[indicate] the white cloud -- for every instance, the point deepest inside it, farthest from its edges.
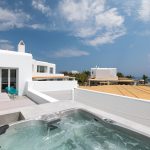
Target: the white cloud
(70, 53)
(12, 19)
(109, 19)
(144, 11)
(129, 6)
(137, 9)
(38, 26)
(108, 37)
(81, 10)
(93, 21)
(42, 26)
(6, 45)
(41, 6)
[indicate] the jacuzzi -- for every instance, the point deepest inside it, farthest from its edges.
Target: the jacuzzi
(74, 129)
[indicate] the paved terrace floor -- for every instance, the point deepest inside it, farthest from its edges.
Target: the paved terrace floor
(142, 92)
(18, 102)
(60, 95)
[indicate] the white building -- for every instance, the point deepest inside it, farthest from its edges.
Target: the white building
(40, 68)
(18, 67)
(74, 72)
(104, 73)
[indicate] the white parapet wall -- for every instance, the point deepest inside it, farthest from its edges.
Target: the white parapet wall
(35, 89)
(133, 109)
(39, 97)
(45, 86)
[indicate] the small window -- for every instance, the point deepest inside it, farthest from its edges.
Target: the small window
(51, 70)
(41, 69)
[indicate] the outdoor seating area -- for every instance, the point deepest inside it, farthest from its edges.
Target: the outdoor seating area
(4, 97)
(12, 92)
(19, 102)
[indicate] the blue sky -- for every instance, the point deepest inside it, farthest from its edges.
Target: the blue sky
(80, 34)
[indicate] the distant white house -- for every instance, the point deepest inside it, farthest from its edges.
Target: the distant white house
(107, 76)
(104, 73)
(74, 72)
(18, 67)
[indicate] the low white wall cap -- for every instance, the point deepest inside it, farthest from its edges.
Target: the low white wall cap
(44, 96)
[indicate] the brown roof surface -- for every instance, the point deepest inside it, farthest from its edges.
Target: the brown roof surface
(142, 92)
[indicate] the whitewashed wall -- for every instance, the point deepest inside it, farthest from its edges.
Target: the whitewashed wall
(104, 73)
(35, 63)
(20, 61)
(35, 89)
(44, 86)
(129, 108)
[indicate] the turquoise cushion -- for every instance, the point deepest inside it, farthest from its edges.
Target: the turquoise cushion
(11, 90)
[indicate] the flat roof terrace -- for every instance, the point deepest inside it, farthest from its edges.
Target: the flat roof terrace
(142, 92)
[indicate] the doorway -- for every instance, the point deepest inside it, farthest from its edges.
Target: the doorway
(8, 78)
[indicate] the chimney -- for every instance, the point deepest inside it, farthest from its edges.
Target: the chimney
(21, 47)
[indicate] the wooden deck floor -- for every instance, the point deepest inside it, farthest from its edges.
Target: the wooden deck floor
(142, 92)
